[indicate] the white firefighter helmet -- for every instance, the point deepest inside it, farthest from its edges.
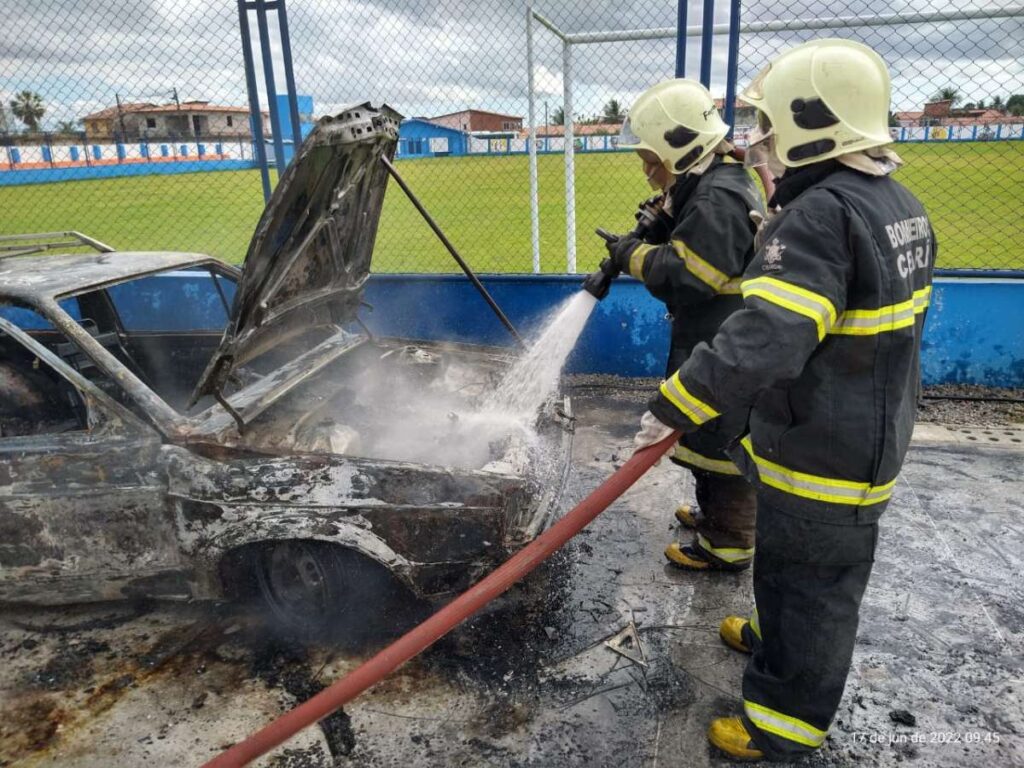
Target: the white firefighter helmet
(677, 121)
(820, 100)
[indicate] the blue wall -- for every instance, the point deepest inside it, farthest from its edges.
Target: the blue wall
(51, 175)
(974, 333)
(414, 139)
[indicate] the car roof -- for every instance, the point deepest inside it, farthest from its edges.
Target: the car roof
(36, 278)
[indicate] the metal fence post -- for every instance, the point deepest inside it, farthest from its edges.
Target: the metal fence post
(707, 35)
(255, 116)
(733, 64)
(532, 144)
(570, 151)
(268, 76)
(681, 10)
(289, 75)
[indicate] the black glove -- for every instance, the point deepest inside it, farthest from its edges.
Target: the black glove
(653, 225)
(598, 283)
(621, 249)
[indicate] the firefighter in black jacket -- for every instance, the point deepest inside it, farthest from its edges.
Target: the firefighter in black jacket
(697, 241)
(826, 352)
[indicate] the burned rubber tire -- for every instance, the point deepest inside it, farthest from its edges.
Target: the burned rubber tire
(313, 591)
(306, 587)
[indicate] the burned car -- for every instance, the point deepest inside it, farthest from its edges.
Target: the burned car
(173, 427)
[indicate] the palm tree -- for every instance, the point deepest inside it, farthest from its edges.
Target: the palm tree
(558, 117)
(949, 93)
(67, 126)
(613, 112)
(28, 107)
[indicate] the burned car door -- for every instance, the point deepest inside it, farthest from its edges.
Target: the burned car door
(83, 508)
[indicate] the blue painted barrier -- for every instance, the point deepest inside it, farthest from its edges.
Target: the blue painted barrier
(974, 332)
(50, 175)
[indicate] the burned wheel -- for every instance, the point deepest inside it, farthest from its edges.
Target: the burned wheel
(306, 585)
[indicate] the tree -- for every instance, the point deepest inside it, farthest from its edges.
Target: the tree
(997, 104)
(558, 117)
(1015, 104)
(67, 126)
(613, 112)
(949, 93)
(28, 107)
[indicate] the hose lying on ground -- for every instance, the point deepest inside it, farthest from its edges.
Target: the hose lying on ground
(421, 637)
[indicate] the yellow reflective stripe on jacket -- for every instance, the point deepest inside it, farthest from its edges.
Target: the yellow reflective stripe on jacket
(727, 554)
(784, 725)
(817, 487)
(794, 298)
(867, 322)
(704, 271)
(721, 466)
(636, 260)
(696, 410)
(755, 624)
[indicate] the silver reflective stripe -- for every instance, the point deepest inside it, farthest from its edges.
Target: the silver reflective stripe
(814, 486)
(721, 466)
(783, 725)
(794, 298)
(727, 554)
(864, 322)
(696, 410)
(705, 271)
(755, 624)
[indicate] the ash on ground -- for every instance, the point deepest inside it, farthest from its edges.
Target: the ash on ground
(941, 645)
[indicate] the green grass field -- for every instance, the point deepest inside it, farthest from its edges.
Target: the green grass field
(973, 192)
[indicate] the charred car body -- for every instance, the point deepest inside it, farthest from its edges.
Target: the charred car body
(174, 427)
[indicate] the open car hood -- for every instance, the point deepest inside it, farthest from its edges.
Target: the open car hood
(310, 254)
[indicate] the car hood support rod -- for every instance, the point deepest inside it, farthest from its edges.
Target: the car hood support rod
(451, 249)
(421, 637)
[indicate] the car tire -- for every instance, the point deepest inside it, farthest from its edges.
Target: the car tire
(313, 590)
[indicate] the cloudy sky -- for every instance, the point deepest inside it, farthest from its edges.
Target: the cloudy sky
(429, 57)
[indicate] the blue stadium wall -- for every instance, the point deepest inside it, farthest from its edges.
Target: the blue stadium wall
(974, 332)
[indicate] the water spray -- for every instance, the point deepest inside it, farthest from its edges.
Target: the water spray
(418, 639)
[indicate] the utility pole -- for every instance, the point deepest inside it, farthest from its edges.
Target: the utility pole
(120, 116)
(177, 101)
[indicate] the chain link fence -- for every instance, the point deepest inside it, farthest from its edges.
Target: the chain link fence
(130, 121)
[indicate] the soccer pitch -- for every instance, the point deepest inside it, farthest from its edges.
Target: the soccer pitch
(973, 192)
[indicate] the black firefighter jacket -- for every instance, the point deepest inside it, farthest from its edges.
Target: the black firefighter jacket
(826, 348)
(697, 274)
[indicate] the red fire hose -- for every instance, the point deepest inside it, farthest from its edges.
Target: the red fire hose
(418, 639)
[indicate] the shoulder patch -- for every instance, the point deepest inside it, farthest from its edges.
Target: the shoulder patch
(772, 261)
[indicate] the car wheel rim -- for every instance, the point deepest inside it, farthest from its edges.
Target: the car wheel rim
(295, 582)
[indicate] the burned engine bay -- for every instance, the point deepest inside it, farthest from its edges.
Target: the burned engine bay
(424, 403)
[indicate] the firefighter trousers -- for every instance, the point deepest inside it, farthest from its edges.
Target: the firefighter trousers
(725, 528)
(809, 578)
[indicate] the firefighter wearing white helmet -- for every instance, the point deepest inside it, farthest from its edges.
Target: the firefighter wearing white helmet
(692, 244)
(825, 352)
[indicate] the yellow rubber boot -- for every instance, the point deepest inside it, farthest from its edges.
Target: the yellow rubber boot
(687, 515)
(730, 735)
(731, 632)
(683, 556)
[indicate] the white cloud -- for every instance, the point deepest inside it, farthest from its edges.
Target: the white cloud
(434, 56)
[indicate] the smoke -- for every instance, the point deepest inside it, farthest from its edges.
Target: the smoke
(442, 409)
